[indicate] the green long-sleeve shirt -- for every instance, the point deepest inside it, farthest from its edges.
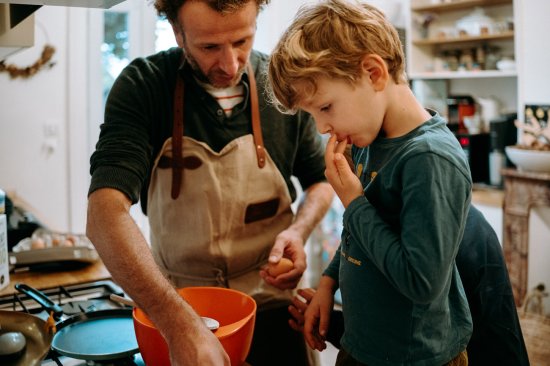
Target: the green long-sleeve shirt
(402, 297)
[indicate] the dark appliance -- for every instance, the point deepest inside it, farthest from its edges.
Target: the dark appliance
(476, 148)
(74, 299)
(21, 223)
(458, 107)
(503, 133)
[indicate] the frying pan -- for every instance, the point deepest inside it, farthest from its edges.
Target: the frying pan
(95, 335)
(34, 330)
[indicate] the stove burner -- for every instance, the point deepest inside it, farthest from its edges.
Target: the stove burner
(77, 307)
(73, 298)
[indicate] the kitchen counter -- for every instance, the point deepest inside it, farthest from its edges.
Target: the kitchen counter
(94, 272)
(487, 196)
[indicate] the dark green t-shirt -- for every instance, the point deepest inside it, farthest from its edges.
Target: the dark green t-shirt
(138, 120)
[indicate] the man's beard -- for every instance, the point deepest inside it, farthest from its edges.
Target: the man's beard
(203, 78)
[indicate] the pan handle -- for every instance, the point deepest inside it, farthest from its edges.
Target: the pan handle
(40, 298)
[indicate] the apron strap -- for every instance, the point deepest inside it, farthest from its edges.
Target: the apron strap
(256, 127)
(177, 135)
(177, 130)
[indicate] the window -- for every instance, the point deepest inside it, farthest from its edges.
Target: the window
(114, 49)
(164, 35)
(116, 36)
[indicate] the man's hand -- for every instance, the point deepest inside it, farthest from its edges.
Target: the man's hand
(205, 349)
(289, 244)
(339, 174)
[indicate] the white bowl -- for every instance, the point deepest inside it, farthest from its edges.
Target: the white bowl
(529, 160)
(506, 65)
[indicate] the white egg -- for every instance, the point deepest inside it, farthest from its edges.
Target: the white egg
(12, 343)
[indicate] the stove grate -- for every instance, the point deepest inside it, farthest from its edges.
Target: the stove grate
(97, 290)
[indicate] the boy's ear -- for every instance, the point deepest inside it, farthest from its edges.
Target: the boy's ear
(375, 68)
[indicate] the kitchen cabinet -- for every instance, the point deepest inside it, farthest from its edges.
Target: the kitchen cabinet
(462, 47)
(14, 36)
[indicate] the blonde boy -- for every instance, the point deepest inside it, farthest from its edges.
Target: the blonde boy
(406, 200)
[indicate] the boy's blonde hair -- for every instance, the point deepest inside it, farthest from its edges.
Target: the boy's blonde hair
(330, 39)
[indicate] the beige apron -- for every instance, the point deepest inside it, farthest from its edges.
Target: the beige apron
(214, 216)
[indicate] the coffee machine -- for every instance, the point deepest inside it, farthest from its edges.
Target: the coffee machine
(503, 132)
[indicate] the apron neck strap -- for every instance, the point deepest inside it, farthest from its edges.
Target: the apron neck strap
(177, 136)
(256, 126)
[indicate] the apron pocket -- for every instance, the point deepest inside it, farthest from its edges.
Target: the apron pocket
(262, 210)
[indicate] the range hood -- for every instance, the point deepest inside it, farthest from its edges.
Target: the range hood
(17, 20)
(16, 32)
(101, 4)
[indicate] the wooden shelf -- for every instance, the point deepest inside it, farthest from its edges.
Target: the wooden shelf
(458, 5)
(429, 68)
(443, 75)
(464, 39)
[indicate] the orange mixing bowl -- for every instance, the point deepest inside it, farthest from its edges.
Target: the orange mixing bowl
(235, 311)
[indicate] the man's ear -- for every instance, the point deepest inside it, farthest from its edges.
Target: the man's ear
(178, 34)
(375, 68)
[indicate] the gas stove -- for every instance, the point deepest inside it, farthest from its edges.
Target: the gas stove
(75, 299)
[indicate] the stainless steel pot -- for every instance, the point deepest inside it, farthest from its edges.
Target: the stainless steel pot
(34, 329)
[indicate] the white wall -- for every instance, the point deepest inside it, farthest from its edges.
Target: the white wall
(49, 122)
(31, 109)
(535, 55)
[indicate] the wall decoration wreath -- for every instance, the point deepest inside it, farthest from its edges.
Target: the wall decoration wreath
(25, 72)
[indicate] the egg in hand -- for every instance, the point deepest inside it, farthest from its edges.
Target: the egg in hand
(283, 266)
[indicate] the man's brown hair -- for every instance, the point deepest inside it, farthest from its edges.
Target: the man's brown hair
(169, 8)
